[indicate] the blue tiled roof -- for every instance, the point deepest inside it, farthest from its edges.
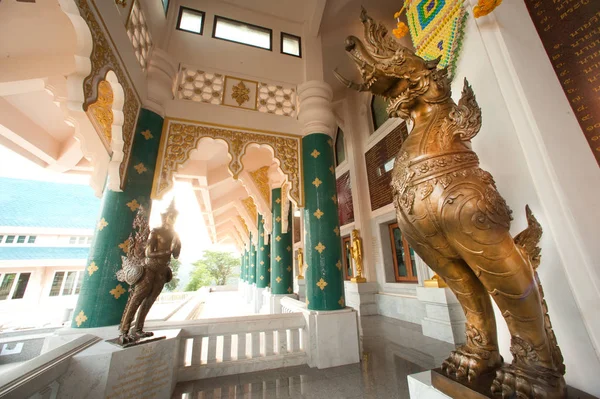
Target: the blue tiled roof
(25, 253)
(28, 203)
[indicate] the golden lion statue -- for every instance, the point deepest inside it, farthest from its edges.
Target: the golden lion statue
(451, 213)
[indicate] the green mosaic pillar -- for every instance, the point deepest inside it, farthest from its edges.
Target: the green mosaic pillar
(263, 268)
(247, 259)
(323, 249)
(282, 277)
(252, 261)
(243, 268)
(102, 298)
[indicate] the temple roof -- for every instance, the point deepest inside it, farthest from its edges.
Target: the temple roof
(45, 253)
(29, 203)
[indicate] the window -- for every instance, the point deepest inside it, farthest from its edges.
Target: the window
(89, 240)
(340, 150)
(347, 256)
(31, 240)
(378, 111)
(13, 285)
(165, 5)
(291, 45)
(73, 240)
(190, 20)
(66, 283)
(1, 238)
(389, 165)
(82, 240)
(10, 239)
(21, 239)
(243, 33)
(405, 267)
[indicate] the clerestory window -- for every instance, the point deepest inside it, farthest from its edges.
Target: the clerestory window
(242, 33)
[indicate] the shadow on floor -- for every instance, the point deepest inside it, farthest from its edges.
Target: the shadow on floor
(391, 350)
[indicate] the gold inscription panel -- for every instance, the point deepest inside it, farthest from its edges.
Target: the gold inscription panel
(570, 32)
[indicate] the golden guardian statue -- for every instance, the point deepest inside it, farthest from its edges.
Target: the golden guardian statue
(451, 213)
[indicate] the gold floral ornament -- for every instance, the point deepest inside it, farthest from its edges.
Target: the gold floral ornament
(240, 93)
(318, 214)
(278, 200)
(117, 291)
(278, 279)
(278, 219)
(278, 238)
(102, 223)
(147, 134)
(80, 319)
(317, 182)
(401, 28)
(320, 247)
(341, 301)
(101, 111)
(315, 154)
(289, 269)
(484, 7)
(125, 245)
(322, 284)
(337, 231)
(140, 168)
(339, 265)
(92, 268)
(289, 290)
(332, 170)
(133, 205)
(278, 258)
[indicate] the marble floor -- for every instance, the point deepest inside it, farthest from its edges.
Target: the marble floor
(391, 350)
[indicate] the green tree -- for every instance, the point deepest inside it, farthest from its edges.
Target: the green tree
(214, 266)
(172, 285)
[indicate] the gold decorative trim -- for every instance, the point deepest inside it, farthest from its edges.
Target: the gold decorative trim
(261, 180)
(105, 58)
(180, 137)
(251, 207)
(240, 92)
(244, 225)
(101, 114)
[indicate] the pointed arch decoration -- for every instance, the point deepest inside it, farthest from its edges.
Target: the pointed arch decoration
(181, 137)
(103, 59)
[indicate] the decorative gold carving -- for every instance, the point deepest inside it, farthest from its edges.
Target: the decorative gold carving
(318, 214)
(244, 225)
(240, 93)
(117, 291)
(80, 319)
(339, 265)
(278, 279)
(102, 223)
(183, 137)
(315, 154)
(300, 263)
(322, 284)
(278, 258)
(92, 268)
(320, 247)
(122, 3)
(250, 207)
(278, 219)
(101, 113)
(317, 182)
(104, 59)
(459, 224)
(261, 180)
(337, 231)
(278, 238)
(124, 246)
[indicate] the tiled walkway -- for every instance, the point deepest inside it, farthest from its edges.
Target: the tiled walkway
(392, 350)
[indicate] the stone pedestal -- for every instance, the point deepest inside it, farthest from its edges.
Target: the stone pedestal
(444, 318)
(106, 370)
(361, 297)
(300, 289)
(333, 338)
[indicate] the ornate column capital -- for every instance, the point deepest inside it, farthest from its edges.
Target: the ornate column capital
(161, 75)
(316, 111)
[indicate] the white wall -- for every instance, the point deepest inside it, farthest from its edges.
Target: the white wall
(509, 150)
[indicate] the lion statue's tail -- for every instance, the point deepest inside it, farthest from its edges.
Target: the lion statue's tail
(528, 240)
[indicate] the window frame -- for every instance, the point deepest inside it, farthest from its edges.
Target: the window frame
(346, 261)
(181, 8)
(214, 32)
(282, 34)
(77, 279)
(14, 285)
(409, 278)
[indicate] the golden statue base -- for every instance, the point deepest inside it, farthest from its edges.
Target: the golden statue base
(435, 282)
(480, 388)
(358, 280)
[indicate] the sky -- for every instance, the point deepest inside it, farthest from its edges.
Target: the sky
(189, 225)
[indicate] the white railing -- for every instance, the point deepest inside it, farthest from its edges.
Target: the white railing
(291, 305)
(167, 297)
(217, 347)
(40, 377)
